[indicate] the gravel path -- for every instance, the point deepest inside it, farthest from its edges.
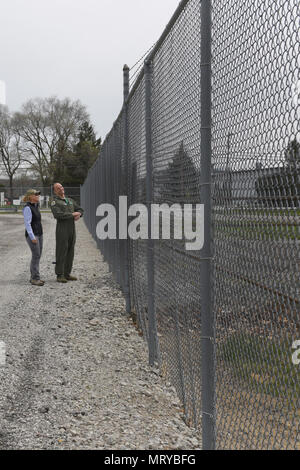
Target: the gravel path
(76, 373)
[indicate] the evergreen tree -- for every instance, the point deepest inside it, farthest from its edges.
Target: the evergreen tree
(85, 152)
(87, 134)
(182, 179)
(292, 154)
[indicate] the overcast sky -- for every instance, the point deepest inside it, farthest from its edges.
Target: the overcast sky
(76, 49)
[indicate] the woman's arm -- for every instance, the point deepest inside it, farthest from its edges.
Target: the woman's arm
(27, 220)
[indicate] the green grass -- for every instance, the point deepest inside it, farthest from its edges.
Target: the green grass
(11, 210)
(274, 212)
(268, 211)
(265, 365)
(268, 231)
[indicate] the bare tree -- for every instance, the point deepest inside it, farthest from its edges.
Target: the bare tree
(48, 128)
(9, 147)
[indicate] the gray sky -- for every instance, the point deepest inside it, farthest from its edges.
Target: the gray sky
(76, 49)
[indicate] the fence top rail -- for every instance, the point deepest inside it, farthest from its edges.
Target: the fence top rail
(140, 76)
(158, 44)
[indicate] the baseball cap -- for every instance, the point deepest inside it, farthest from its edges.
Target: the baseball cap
(32, 192)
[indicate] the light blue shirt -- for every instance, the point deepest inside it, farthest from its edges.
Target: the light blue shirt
(27, 219)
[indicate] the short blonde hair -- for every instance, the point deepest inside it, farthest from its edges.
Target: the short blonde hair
(30, 192)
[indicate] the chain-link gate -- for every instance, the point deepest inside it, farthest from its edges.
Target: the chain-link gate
(213, 118)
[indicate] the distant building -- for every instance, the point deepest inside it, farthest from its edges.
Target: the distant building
(265, 187)
(275, 187)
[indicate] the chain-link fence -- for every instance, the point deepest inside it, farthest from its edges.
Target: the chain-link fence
(214, 119)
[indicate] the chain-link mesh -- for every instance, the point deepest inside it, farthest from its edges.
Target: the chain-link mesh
(256, 212)
(137, 195)
(176, 163)
(256, 216)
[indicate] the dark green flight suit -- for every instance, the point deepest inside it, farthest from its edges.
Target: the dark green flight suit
(62, 210)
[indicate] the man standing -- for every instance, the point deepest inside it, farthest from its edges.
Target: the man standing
(66, 212)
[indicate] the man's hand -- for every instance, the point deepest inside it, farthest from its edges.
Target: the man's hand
(34, 241)
(76, 215)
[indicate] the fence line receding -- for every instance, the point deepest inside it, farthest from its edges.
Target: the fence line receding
(222, 321)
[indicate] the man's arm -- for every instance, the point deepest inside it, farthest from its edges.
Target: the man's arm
(78, 211)
(58, 213)
(77, 208)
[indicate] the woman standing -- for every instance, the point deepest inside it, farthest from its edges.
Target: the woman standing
(34, 233)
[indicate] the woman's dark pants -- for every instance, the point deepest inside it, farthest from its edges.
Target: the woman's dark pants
(36, 250)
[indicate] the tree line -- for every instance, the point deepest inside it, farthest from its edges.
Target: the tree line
(53, 139)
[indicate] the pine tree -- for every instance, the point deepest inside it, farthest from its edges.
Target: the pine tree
(85, 153)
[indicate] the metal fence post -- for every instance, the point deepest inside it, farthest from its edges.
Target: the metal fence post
(207, 313)
(153, 344)
(125, 185)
